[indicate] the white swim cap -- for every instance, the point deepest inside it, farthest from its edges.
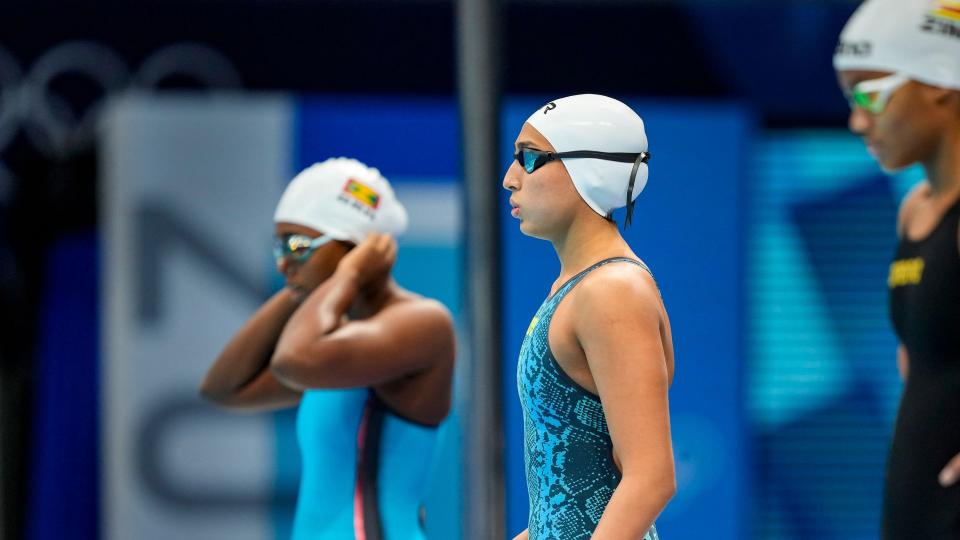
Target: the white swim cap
(342, 198)
(600, 124)
(917, 38)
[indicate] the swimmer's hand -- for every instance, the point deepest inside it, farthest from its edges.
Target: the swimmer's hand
(369, 263)
(950, 473)
(364, 270)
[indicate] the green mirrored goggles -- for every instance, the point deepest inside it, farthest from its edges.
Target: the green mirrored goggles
(873, 95)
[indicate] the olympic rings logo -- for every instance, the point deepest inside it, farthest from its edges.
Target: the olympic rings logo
(29, 102)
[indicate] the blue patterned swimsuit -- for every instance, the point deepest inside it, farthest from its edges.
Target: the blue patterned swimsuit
(568, 453)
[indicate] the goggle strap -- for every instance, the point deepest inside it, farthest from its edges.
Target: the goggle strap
(623, 157)
(642, 158)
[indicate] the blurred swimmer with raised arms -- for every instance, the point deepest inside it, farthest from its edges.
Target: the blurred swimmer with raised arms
(368, 364)
(596, 364)
(898, 62)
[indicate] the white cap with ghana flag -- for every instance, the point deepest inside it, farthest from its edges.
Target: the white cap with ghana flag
(344, 199)
(601, 124)
(919, 39)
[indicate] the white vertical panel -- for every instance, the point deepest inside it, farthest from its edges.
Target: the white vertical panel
(200, 176)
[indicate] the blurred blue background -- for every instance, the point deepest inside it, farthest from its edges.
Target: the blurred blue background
(768, 226)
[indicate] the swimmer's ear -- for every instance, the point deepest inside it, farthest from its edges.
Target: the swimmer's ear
(943, 96)
(955, 96)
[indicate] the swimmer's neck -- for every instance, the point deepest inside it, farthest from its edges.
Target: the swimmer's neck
(586, 242)
(943, 167)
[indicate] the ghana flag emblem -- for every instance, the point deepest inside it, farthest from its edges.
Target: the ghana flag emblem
(948, 9)
(362, 192)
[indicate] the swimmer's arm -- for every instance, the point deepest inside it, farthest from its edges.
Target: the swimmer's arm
(366, 265)
(618, 325)
(240, 378)
(950, 473)
(903, 362)
(522, 536)
(403, 339)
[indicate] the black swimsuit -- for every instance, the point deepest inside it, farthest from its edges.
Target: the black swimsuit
(925, 307)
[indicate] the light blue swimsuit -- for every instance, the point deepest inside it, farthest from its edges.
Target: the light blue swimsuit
(365, 469)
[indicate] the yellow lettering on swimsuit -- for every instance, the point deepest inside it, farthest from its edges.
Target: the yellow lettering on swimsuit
(905, 272)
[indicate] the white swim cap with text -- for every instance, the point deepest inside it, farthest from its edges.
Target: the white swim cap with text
(342, 198)
(601, 124)
(919, 39)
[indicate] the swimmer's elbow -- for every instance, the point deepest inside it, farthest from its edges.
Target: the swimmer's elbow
(668, 488)
(666, 483)
(661, 491)
(213, 391)
(288, 369)
(221, 397)
(656, 489)
(208, 393)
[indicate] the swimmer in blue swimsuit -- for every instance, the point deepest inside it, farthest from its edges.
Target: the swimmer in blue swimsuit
(597, 361)
(368, 364)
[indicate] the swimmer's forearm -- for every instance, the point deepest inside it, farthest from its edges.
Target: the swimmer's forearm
(247, 355)
(297, 357)
(325, 307)
(633, 508)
